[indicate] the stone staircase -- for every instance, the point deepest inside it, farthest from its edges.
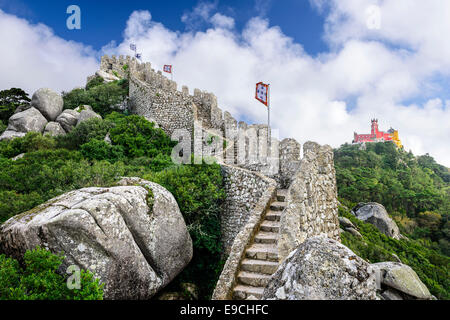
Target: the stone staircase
(261, 257)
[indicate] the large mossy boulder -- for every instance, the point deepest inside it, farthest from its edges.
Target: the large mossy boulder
(68, 119)
(402, 278)
(375, 213)
(132, 236)
(322, 269)
(30, 120)
(48, 102)
(54, 129)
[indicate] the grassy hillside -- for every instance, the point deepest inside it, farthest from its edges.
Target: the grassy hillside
(416, 193)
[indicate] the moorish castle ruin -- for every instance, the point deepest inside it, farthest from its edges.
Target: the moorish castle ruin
(276, 199)
(280, 229)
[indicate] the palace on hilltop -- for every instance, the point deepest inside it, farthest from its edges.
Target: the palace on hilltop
(378, 136)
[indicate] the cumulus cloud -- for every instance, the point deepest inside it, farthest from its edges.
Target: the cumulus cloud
(222, 21)
(324, 98)
(199, 15)
(397, 73)
(33, 57)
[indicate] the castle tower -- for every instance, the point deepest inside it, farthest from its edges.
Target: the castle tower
(375, 128)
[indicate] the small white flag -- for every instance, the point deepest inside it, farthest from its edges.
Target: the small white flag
(262, 93)
(133, 47)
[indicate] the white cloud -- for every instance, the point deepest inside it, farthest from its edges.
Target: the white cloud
(365, 74)
(33, 57)
(310, 95)
(200, 14)
(221, 21)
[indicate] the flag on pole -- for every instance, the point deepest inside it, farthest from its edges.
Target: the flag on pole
(133, 47)
(262, 93)
(168, 68)
(138, 55)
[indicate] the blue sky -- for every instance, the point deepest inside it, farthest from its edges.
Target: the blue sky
(103, 20)
(333, 64)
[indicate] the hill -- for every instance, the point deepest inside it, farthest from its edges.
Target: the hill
(416, 193)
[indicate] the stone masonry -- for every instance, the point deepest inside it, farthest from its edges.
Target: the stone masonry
(254, 170)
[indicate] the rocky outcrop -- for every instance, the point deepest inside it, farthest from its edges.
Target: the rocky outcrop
(86, 115)
(346, 223)
(374, 213)
(312, 206)
(48, 102)
(45, 115)
(10, 135)
(400, 282)
(54, 129)
(322, 269)
(27, 121)
(132, 237)
(68, 119)
(354, 232)
(106, 76)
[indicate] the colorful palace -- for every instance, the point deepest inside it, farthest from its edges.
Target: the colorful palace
(378, 136)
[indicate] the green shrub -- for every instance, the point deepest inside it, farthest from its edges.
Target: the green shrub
(6, 112)
(198, 190)
(45, 174)
(138, 136)
(10, 100)
(33, 141)
(76, 97)
(102, 97)
(106, 96)
(100, 150)
(2, 127)
(94, 82)
(138, 167)
(39, 279)
(91, 129)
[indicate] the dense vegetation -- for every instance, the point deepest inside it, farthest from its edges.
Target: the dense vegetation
(414, 190)
(431, 266)
(82, 158)
(39, 279)
(9, 101)
(102, 97)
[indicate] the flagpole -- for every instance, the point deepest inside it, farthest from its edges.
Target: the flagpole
(268, 115)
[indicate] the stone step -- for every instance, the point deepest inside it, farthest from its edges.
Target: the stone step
(259, 266)
(266, 237)
(278, 206)
(260, 251)
(270, 226)
(254, 279)
(242, 292)
(282, 194)
(273, 215)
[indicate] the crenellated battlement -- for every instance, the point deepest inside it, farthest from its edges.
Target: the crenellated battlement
(157, 98)
(254, 162)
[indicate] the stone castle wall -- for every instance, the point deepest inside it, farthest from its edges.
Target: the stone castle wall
(244, 189)
(154, 96)
(312, 206)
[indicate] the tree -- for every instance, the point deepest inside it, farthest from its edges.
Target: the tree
(40, 280)
(10, 100)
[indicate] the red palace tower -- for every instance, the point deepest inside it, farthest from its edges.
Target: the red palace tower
(378, 136)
